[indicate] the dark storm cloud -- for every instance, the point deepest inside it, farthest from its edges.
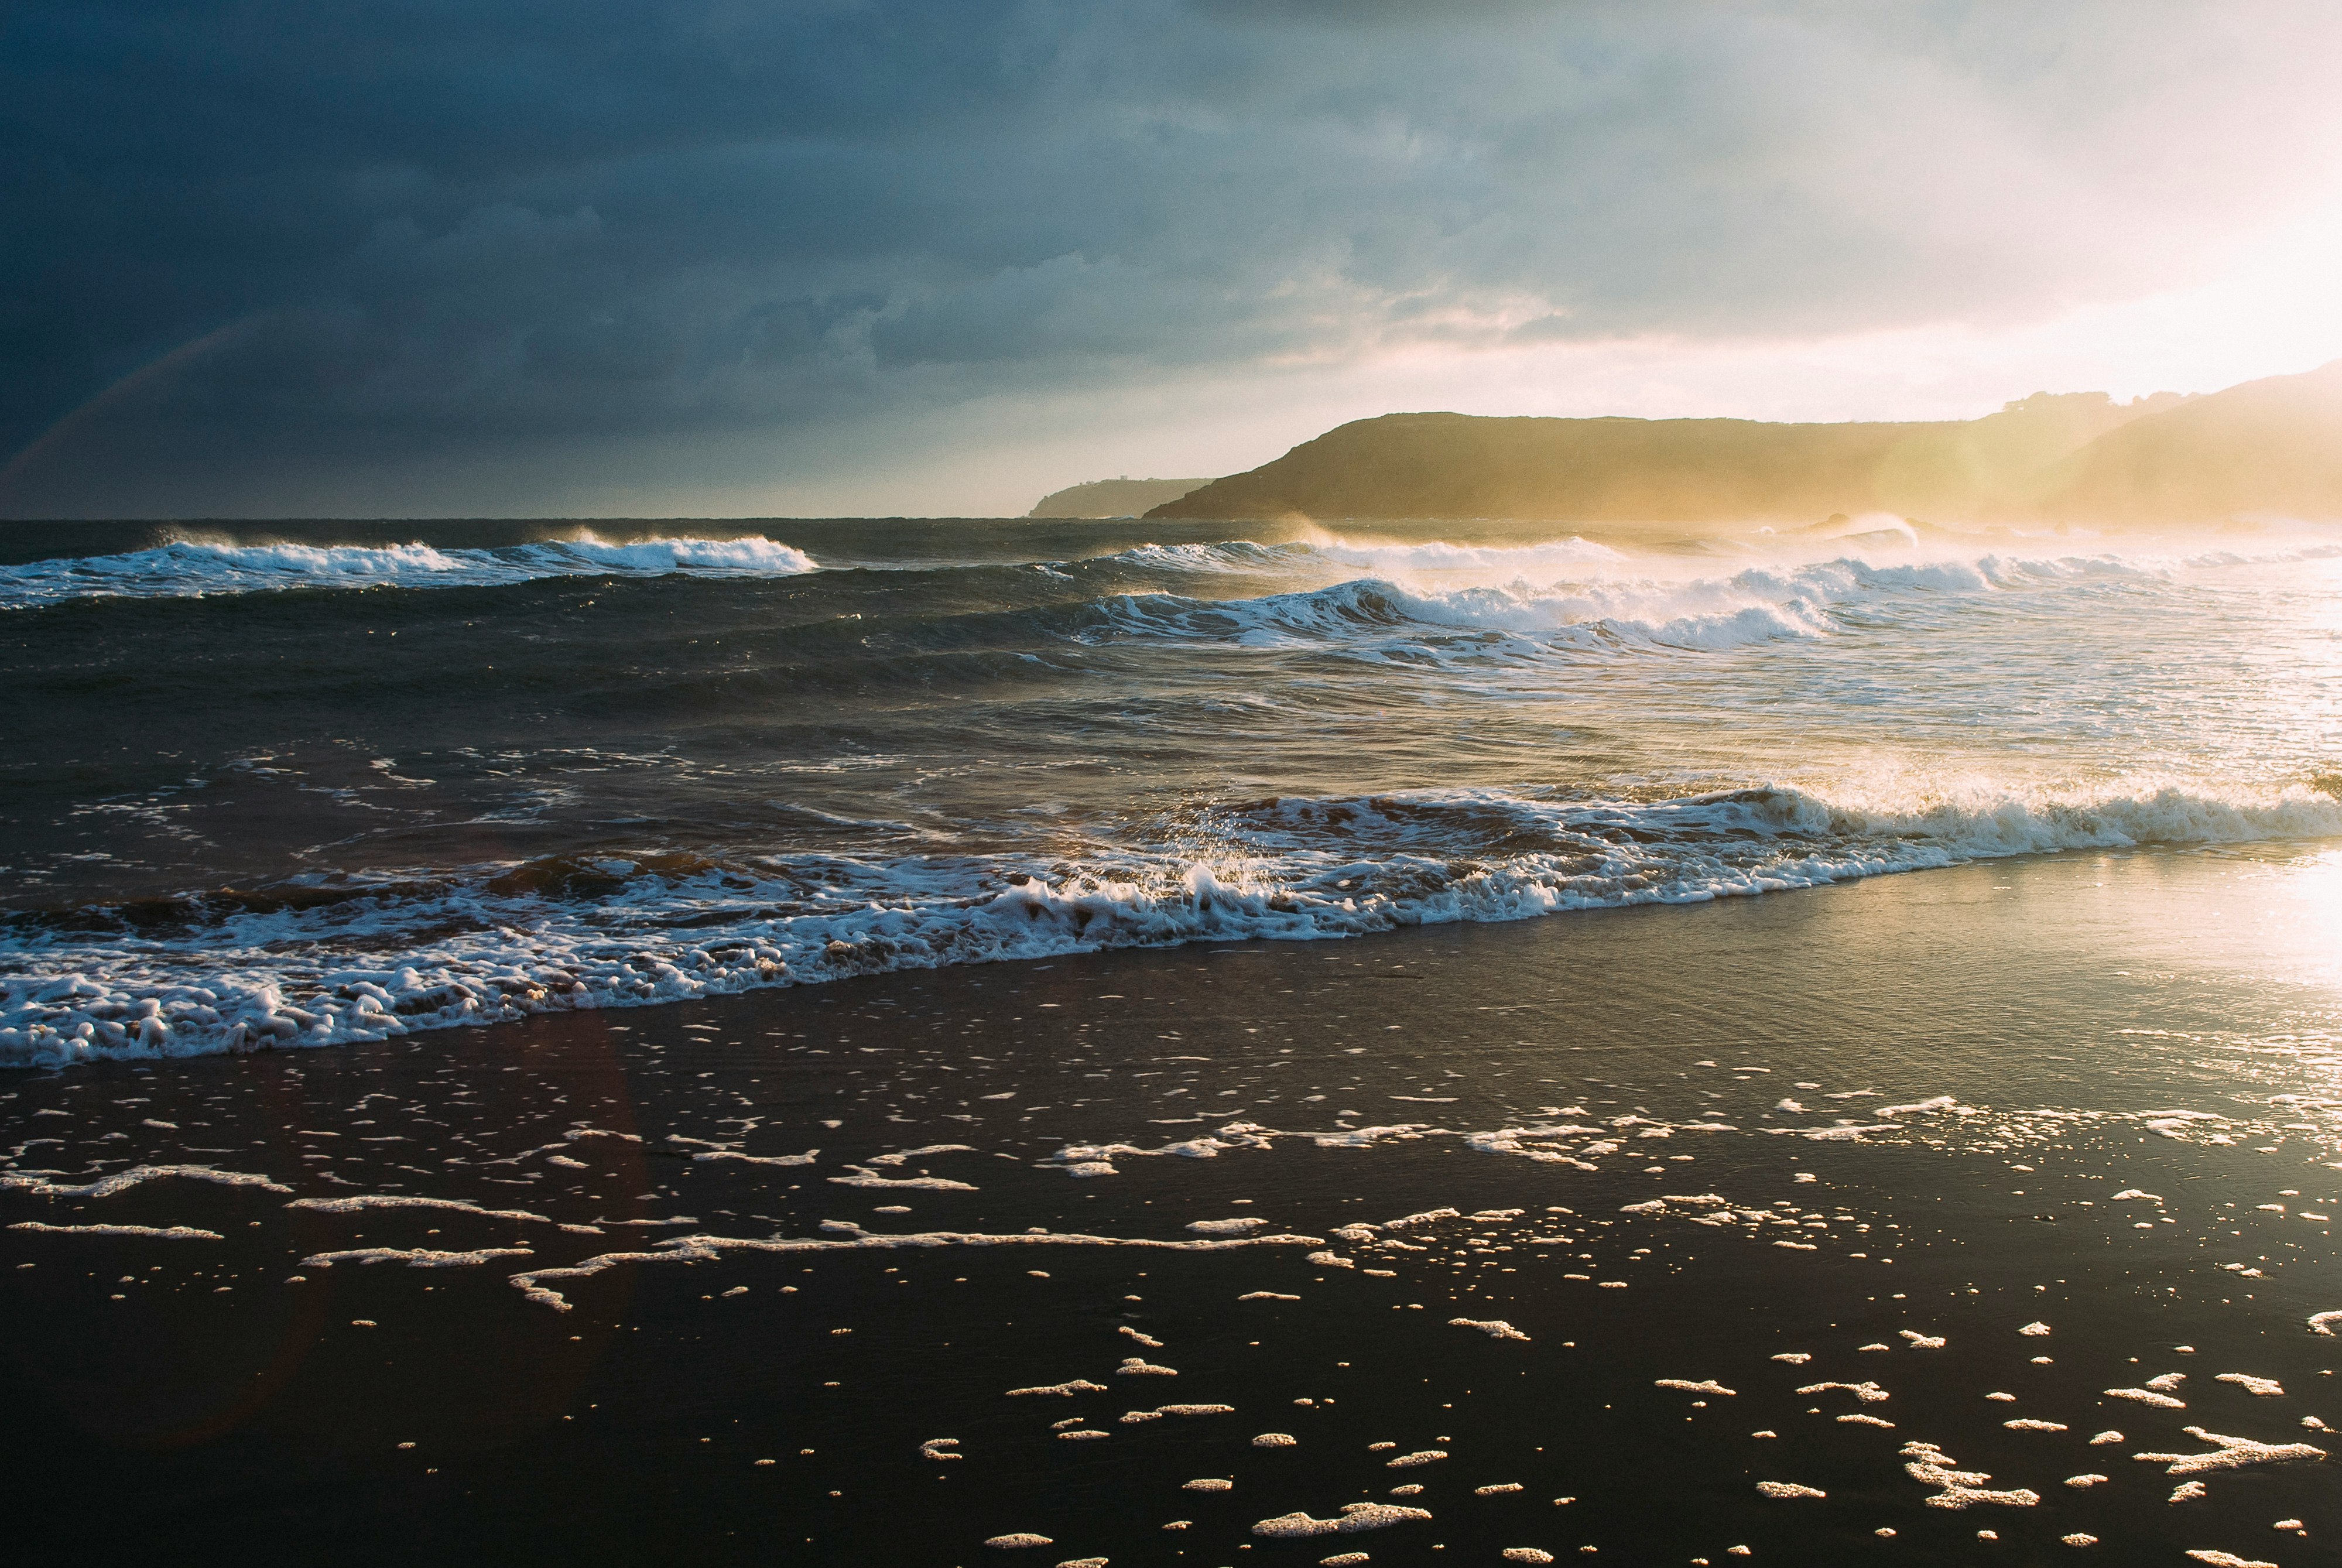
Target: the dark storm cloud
(305, 234)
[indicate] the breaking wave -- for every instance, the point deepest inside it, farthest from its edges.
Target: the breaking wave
(330, 960)
(193, 568)
(1429, 614)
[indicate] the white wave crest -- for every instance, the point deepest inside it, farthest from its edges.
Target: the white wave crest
(459, 952)
(1448, 603)
(1383, 621)
(1233, 556)
(185, 568)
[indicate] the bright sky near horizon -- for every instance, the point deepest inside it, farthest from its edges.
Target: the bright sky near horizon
(940, 256)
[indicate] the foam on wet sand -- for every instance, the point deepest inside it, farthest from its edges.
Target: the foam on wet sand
(1354, 1517)
(158, 1232)
(1490, 1260)
(2229, 1453)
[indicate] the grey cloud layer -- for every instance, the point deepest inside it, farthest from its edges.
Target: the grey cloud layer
(358, 232)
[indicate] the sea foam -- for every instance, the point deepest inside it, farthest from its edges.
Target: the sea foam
(190, 568)
(421, 954)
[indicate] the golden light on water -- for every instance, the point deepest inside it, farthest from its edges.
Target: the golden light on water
(2318, 892)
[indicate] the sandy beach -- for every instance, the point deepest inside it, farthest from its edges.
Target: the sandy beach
(760, 1278)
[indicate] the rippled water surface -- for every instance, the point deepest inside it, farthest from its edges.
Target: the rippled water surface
(301, 784)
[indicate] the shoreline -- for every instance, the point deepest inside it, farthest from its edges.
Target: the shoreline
(1021, 921)
(2051, 1011)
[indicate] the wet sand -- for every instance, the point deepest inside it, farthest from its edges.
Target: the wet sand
(1978, 1065)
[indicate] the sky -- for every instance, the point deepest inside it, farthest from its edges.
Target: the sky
(827, 257)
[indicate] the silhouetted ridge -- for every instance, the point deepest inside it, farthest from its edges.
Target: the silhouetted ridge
(1113, 497)
(2266, 448)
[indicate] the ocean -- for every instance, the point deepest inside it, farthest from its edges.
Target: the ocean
(307, 784)
(1084, 1044)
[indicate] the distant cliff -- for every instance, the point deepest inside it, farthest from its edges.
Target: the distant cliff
(2266, 448)
(1113, 497)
